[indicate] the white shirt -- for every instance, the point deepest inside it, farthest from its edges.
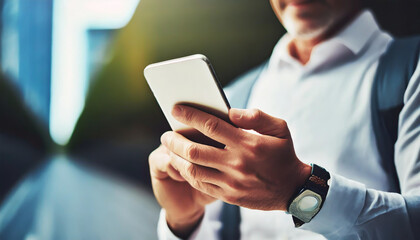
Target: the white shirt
(326, 104)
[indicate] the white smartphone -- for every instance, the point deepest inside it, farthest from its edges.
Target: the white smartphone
(190, 81)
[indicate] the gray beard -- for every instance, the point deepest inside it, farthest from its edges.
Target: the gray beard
(306, 34)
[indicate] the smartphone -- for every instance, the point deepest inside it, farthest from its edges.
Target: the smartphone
(189, 81)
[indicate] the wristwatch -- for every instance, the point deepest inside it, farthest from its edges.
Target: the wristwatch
(308, 200)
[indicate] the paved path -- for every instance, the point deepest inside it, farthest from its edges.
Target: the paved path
(65, 200)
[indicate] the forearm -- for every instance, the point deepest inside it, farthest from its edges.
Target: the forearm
(351, 210)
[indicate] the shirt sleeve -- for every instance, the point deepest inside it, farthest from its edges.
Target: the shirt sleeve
(352, 211)
(209, 227)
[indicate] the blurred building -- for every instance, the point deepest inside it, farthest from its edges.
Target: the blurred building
(26, 51)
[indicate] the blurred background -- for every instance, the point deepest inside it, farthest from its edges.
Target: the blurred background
(77, 119)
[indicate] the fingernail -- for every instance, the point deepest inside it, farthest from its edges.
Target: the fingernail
(236, 113)
(177, 110)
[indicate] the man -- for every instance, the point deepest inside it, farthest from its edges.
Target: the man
(318, 79)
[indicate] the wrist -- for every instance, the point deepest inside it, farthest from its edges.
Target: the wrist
(183, 226)
(302, 173)
(307, 202)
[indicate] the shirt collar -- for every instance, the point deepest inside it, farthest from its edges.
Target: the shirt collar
(354, 37)
(357, 34)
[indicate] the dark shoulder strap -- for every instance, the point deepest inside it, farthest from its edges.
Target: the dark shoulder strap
(394, 71)
(231, 221)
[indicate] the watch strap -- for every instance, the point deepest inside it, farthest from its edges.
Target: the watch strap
(318, 183)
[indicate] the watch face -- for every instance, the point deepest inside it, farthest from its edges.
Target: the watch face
(306, 205)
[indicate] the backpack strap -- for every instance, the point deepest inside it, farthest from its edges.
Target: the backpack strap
(231, 221)
(394, 71)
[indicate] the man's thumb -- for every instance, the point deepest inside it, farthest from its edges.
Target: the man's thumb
(259, 121)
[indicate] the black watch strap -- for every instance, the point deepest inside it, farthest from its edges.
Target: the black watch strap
(318, 183)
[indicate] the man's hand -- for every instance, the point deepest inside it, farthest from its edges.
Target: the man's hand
(184, 205)
(253, 171)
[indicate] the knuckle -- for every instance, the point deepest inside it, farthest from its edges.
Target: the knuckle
(257, 146)
(230, 198)
(211, 126)
(240, 166)
(196, 184)
(255, 114)
(191, 171)
(192, 152)
(283, 127)
(235, 184)
(189, 116)
(243, 168)
(283, 124)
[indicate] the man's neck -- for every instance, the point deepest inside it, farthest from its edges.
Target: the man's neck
(301, 49)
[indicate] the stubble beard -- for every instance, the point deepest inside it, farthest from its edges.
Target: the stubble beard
(320, 28)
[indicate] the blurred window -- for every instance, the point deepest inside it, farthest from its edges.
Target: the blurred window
(50, 50)
(80, 33)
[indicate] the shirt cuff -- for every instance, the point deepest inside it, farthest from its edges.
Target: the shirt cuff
(203, 230)
(343, 204)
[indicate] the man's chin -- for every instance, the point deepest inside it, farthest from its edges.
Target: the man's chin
(305, 32)
(309, 34)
